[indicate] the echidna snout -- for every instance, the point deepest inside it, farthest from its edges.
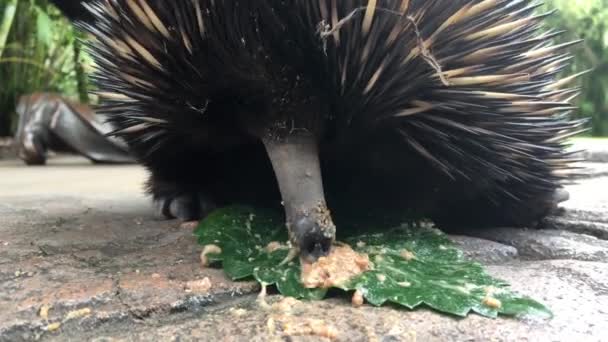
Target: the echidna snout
(295, 160)
(312, 241)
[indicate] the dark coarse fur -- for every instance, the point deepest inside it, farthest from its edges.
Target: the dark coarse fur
(451, 108)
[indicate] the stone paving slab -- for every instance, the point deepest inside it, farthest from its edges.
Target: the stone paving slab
(587, 210)
(533, 244)
(573, 289)
(485, 251)
(83, 258)
(592, 150)
(75, 236)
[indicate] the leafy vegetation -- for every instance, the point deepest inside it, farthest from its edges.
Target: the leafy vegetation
(38, 52)
(588, 20)
(413, 266)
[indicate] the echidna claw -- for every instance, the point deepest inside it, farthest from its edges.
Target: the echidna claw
(187, 208)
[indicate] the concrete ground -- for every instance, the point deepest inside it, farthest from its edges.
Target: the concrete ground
(83, 258)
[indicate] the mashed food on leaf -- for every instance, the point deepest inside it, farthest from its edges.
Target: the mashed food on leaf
(341, 265)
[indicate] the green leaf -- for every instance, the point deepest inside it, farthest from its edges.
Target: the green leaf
(243, 234)
(44, 27)
(413, 266)
(10, 9)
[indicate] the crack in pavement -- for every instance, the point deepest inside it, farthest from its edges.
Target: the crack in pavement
(117, 292)
(600, 288)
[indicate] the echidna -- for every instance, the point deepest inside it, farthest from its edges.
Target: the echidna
(452, 108)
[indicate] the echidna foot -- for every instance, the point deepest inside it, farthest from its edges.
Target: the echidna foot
(187, 207)
(560, 195)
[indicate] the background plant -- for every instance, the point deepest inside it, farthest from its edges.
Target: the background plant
(588, 20)
(39, 51)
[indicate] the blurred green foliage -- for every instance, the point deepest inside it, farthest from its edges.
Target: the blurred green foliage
(588, 20)
(38, 52)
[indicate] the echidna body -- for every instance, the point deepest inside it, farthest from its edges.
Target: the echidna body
(452, 108)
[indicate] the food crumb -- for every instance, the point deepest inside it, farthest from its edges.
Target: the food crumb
(155, 275)
(381, 278)
(342, 264)
(404, 284)
(492, 302)
(310, 327)
(44, 312)
(491, 290)
(371, 334)
(53, 327)
(189, 225)
(77, 314)
(285, 305)
(322, 329)
(271, 325)
(274, 246)
(363, 262)
(198, 286)
(357, 299)
(238, 312)
(209, 249)
(261, 300)
(407, 255)
(360, 244)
